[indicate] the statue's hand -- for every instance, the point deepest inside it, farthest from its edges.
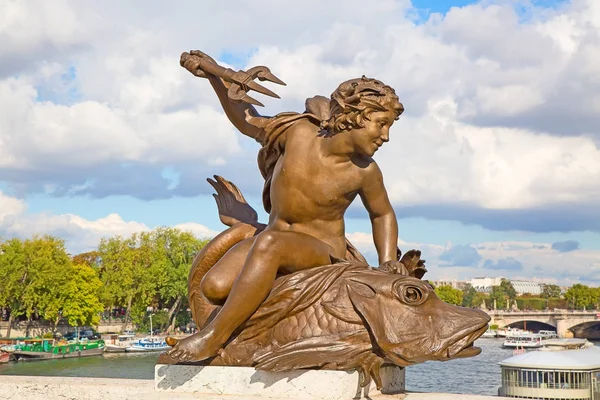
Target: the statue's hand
(394, 267)
(193, 60)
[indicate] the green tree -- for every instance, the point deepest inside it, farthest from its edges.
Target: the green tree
(500, 296)
(147, 269)
(51, 280)
(28, 269)
(479, 299)
(551, 292)
(90, 258)
(581, 296)
(15, 278)
(449, 295)
(174, 252)
(75, 298)
(119, 272)
(508, 289)
(468, 296)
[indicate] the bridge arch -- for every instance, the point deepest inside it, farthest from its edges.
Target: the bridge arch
(532, 325)
(588, 330)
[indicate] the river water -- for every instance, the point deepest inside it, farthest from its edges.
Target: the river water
(476, 375)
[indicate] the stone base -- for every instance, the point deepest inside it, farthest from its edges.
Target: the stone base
(247, 382)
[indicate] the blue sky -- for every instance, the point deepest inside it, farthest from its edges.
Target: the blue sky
(104, 134)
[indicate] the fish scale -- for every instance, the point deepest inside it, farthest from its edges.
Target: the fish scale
(311, 322)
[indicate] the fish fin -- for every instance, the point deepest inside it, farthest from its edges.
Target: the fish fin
(346, 314)
(341, 307)
(233, 207)
(318, 352)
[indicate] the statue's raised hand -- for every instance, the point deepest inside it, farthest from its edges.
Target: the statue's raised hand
(193, 60)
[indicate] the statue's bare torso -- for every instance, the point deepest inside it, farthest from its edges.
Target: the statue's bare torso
(311, 191)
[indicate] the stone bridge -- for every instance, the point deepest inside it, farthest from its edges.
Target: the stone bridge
(563, 320)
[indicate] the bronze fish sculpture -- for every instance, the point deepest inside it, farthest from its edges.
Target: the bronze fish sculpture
(344, 316)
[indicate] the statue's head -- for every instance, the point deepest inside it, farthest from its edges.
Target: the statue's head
(355, 100)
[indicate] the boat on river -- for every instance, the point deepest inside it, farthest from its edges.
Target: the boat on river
(4, 357)
(562, 369)
(548, 334)
(508, 332)
(524, 341)
(147, 345)
(490, 333)
(119, 343)
(45, 349)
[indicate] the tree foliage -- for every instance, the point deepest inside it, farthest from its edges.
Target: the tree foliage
(499, 296)
(449, 295)
(38, 276)
(147, 269)
(469, 293)
(480, 299)
(551, 292)
(502, 295)
(508, 289)
(581, 296)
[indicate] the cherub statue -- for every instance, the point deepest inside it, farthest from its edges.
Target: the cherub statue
(315, 164)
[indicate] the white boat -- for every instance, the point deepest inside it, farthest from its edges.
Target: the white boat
(548, 334)
(508, 332)
(148, 344)
(562, 369)
(490, 334)
(525, 341)
(119, 343)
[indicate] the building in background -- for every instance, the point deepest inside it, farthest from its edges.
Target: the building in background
(454, 283)
(527, 287)
(484, 284)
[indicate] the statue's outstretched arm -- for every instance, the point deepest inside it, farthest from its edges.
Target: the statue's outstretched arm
(237, 111)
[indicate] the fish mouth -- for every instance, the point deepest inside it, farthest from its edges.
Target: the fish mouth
(465, 347)
(462, 347)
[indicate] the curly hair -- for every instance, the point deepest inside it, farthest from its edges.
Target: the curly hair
(355, 100)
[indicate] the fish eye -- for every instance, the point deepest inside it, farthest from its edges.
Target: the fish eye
(410, 293)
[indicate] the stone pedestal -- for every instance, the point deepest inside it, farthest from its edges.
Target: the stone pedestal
(247, 382)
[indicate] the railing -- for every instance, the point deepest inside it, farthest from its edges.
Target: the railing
(595, 313)
(549, 385)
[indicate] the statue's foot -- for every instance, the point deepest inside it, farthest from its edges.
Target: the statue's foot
(194, 348)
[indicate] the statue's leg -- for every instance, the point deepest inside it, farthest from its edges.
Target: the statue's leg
(218, 281)
(272, 252)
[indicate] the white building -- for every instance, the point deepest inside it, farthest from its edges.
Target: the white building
(484, 284)
(454, 283)
(522, 287)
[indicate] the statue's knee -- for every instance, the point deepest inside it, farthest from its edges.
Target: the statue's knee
(215, 290)
(265, 242)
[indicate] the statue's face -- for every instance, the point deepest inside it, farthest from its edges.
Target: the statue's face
(374, 133)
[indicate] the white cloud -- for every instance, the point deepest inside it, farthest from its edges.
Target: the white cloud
(539, 261)
(199, 230)
(502, 113)
(81, 234)
(10, 206)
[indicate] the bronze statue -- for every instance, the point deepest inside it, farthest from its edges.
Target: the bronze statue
(295, 293)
